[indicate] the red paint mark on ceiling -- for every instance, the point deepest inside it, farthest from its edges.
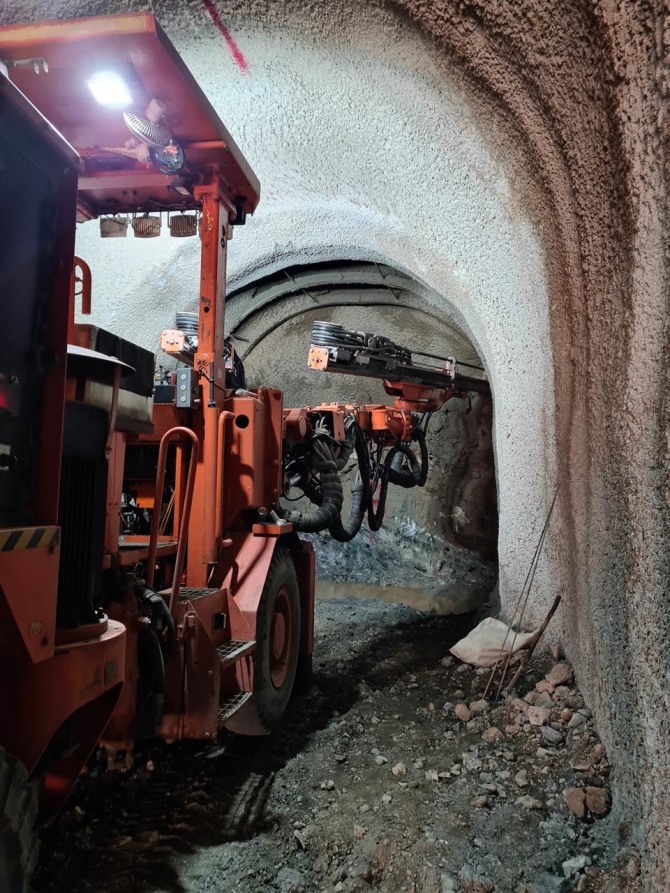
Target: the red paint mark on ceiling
(240, 61)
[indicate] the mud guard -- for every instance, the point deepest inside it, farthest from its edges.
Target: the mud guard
(75, 693)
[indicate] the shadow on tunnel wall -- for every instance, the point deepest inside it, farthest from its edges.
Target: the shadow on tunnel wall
(465, 482)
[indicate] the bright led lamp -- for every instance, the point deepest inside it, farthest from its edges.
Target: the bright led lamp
(109, 89)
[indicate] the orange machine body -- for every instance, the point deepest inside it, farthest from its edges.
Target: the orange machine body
(138, 535)
(67, 677)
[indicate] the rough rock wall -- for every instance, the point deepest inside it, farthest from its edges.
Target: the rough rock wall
(586, 86)
(572, 98)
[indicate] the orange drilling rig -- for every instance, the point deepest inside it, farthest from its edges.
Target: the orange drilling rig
(151, 584)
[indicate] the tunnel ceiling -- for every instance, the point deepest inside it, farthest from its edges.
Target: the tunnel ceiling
(343, 291)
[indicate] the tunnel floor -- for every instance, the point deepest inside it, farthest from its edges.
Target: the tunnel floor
(371, 783)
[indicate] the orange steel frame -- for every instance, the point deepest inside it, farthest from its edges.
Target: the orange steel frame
(228, 482)
(87, 683)
(238, 441)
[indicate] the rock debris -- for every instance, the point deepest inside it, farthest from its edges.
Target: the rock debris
(364, 787)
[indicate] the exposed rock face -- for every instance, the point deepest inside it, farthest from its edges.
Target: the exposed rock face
(554, 260)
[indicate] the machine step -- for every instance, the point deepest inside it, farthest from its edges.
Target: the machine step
(233, 650)
(232, 705)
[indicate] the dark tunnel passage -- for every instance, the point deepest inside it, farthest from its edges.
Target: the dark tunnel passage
(270, 321)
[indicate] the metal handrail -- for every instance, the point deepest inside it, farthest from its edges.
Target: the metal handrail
(220, 466)
(174, 433)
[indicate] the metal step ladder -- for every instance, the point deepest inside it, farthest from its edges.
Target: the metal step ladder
(189, 594)
(232, 651)
(233, 704)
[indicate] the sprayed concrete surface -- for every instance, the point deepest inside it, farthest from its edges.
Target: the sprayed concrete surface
(511, 157)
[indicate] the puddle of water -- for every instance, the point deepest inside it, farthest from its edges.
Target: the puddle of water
(454, 600)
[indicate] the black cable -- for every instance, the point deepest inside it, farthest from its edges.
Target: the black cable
(417, 473)
(342, 531)
(398, 473)
(376, 515)
(347, 445)
(420, 436)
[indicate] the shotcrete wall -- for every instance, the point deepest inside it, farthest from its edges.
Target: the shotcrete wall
(511, 156)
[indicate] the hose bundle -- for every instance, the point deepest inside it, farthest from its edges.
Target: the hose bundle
(417, 474)
(341, 531)
(321, 482)
(328, 496)
(394, 471)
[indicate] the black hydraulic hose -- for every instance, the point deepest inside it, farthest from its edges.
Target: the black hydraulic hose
(376, 515)
(420, 437)
(347, 445)
(399, 475)
(417, 474)
(342, 531)
(165, 631)
(330, 485)
(168, 640)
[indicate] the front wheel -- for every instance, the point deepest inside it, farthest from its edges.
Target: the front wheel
(277, 639)
(18, 815)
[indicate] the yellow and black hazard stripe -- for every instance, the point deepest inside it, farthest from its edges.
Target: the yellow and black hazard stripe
(29, 538)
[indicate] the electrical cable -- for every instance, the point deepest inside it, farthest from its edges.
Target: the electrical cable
(417, 473)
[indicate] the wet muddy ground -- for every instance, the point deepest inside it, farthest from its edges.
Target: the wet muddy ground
(371, 783)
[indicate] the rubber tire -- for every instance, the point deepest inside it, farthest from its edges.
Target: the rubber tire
(18, 818)
(270, 701)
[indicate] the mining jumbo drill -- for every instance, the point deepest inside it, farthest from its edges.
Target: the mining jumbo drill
(151, 584)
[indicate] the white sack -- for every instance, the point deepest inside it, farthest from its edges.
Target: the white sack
(489, 641)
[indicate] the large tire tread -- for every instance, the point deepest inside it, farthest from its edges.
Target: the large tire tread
(271, 702)
(18, 818)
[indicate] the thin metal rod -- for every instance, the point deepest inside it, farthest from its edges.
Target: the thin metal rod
(533, 644)
(220, 471)
(525, 591)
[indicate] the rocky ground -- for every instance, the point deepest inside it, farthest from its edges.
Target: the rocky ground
(391, 774)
